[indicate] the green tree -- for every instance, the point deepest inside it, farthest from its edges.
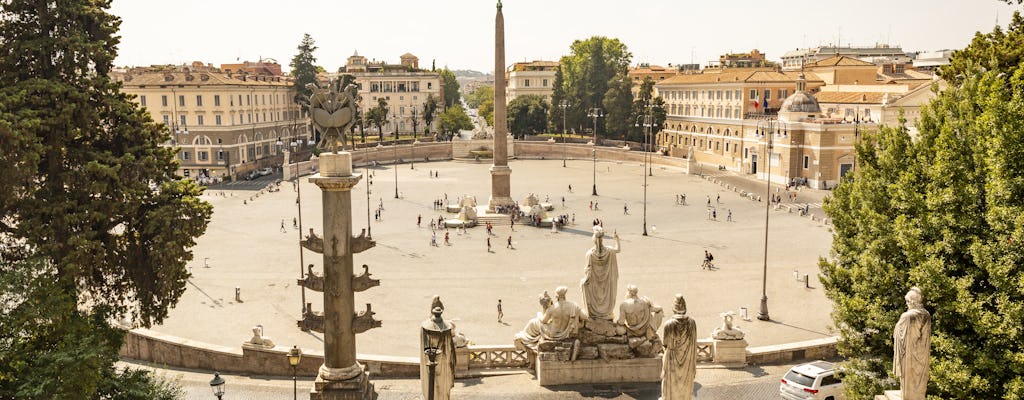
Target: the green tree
(377, 116)
(587, 73)
(429, 111)
(304, 69)
(942, 212)
(646, 103)
(478, 96)
(450, 86)
(527, 115)
(454, 119)
(487, 110)
(618, 105)
(555, 119)
(95, 225)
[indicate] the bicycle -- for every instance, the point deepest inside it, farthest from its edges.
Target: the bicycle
(707, 264)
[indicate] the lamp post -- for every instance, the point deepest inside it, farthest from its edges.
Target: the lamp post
(217, 385)
(564, 104)
(369, 182)
(432, 350)
(412, 158)
(294, 357)
(767, 129)
(394, 120)
(298, 203)
(595, 113)
(648, 124)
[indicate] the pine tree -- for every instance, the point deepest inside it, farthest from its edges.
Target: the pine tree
(95, 224)
(304, 69)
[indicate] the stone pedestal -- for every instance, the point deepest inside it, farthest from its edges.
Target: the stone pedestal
(358, 388)
(501, 187)
(731, 352)
(636, 370)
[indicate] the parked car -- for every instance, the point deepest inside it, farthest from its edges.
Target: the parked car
(813, 380)
(252, 175)
(265, 171)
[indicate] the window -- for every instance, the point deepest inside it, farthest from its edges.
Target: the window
(203, 156)
(220, 154)
(184, 155)
(807, 161)
(726, 146)
(232, 119)
(181, 100)
(783, 93)
(182, 116)
(728, 95)
(199, 119)
(767, 94)
(216, 119)
(738, 95)
(163, 100)
(199, 100)
(753, 93)
(248, 99)
(167, 119)
(544, 83)
(526, 83)
(239, 99)
(264, 99)
(216, 100)
(142, 101)
(718, 95)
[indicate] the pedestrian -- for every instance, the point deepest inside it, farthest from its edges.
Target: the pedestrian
(433, 239)
(563, 201)
(570, 188)
(591, 205)
(282, 226)
(709, 201)
(714, 214)
(574, 218)
(418, 219)
(718, 199)
(509, 245)
(446, 242)
(729, 216)
(295, 223)
(595, 205)
(684, 198)
(381, 204)
(625, 209)
(500, 314)
(488, 244)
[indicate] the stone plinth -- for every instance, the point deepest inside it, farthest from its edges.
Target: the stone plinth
(731, 352)
(358, 388)
(636, 370)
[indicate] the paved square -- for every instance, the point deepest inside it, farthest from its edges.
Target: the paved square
(246, 248)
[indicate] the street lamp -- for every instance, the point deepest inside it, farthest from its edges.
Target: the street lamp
(433, 348)
(565, 150)
(394, 120)
(217, 385)
(298, 203)
(595, 113)
(369, 182)
(648, 123)
(412, 157)
(294, 357)
(768, 129)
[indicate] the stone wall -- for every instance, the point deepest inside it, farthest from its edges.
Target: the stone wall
(405, 152)
(555, 151)
(816, 349)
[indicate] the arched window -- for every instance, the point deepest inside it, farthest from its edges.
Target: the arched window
(202, 140)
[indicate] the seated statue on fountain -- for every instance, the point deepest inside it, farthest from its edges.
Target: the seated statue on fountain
(641, 318)
(554, 333)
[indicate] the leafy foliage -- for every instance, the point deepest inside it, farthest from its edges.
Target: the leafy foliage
(527, 115)
(944, 212)
(377, 116)
(586, 74)
(483, 100)
(450, 87)
(95, 224)
(429, 111)
(454, 119)
(304, 69)
(618, 103)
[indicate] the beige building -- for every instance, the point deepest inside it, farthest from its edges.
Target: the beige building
(535, 77)
(223, 125)
(878, 54)
(404, 86)
(806, 144)
(641, 72)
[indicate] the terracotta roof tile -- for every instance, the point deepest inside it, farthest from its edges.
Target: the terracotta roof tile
(199, 78)
(852, 97)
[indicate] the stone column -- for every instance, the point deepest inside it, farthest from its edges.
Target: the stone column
(501, 185)
(340, 377)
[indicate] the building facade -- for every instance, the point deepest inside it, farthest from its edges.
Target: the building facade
(223, 125)
(535, 77)
(805, 143)
(404, 86)
(878, 54)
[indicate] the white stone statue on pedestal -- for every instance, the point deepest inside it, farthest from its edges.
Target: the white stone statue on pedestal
(912, 347)
(258, 339)
(639, 315)
(679, 363)
(562, 321)
(601, 277)
(727, 331)
(534, 329)
(444, 371)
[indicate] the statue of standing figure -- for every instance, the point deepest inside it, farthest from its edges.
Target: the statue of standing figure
(912, 347)
(601, 277)
(444, 371)
(679, 363)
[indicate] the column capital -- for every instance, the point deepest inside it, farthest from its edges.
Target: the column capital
(337, 183)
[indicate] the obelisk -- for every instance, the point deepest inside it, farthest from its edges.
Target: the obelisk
(501, 185)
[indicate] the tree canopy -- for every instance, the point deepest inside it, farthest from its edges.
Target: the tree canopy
(483, 100)
(943, 212)
(95, 226)
(450, 86)
(304, 68)
(429, 111)
(586, 75)
(454, 119)
(527, 115)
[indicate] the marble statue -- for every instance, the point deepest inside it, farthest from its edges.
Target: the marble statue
(727, 331)
(444, 372)
(639, 315)
(563, 319)
(258, 339)
(467, 214)
(912, 347)
(679, 362)
(530, 200)
(601, 277)
(534, 329)
(467, 201)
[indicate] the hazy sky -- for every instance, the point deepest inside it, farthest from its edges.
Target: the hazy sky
(459, 33)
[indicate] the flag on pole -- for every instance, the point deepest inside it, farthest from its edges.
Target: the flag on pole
(755, 100)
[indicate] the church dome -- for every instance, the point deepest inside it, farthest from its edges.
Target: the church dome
(801, 102)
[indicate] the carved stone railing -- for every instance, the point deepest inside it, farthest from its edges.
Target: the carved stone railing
(477, 358)
(705, 350)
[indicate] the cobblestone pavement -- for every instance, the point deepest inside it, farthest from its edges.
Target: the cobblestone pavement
(711, 383)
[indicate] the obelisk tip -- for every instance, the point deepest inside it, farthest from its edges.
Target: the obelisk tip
(499, 4)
